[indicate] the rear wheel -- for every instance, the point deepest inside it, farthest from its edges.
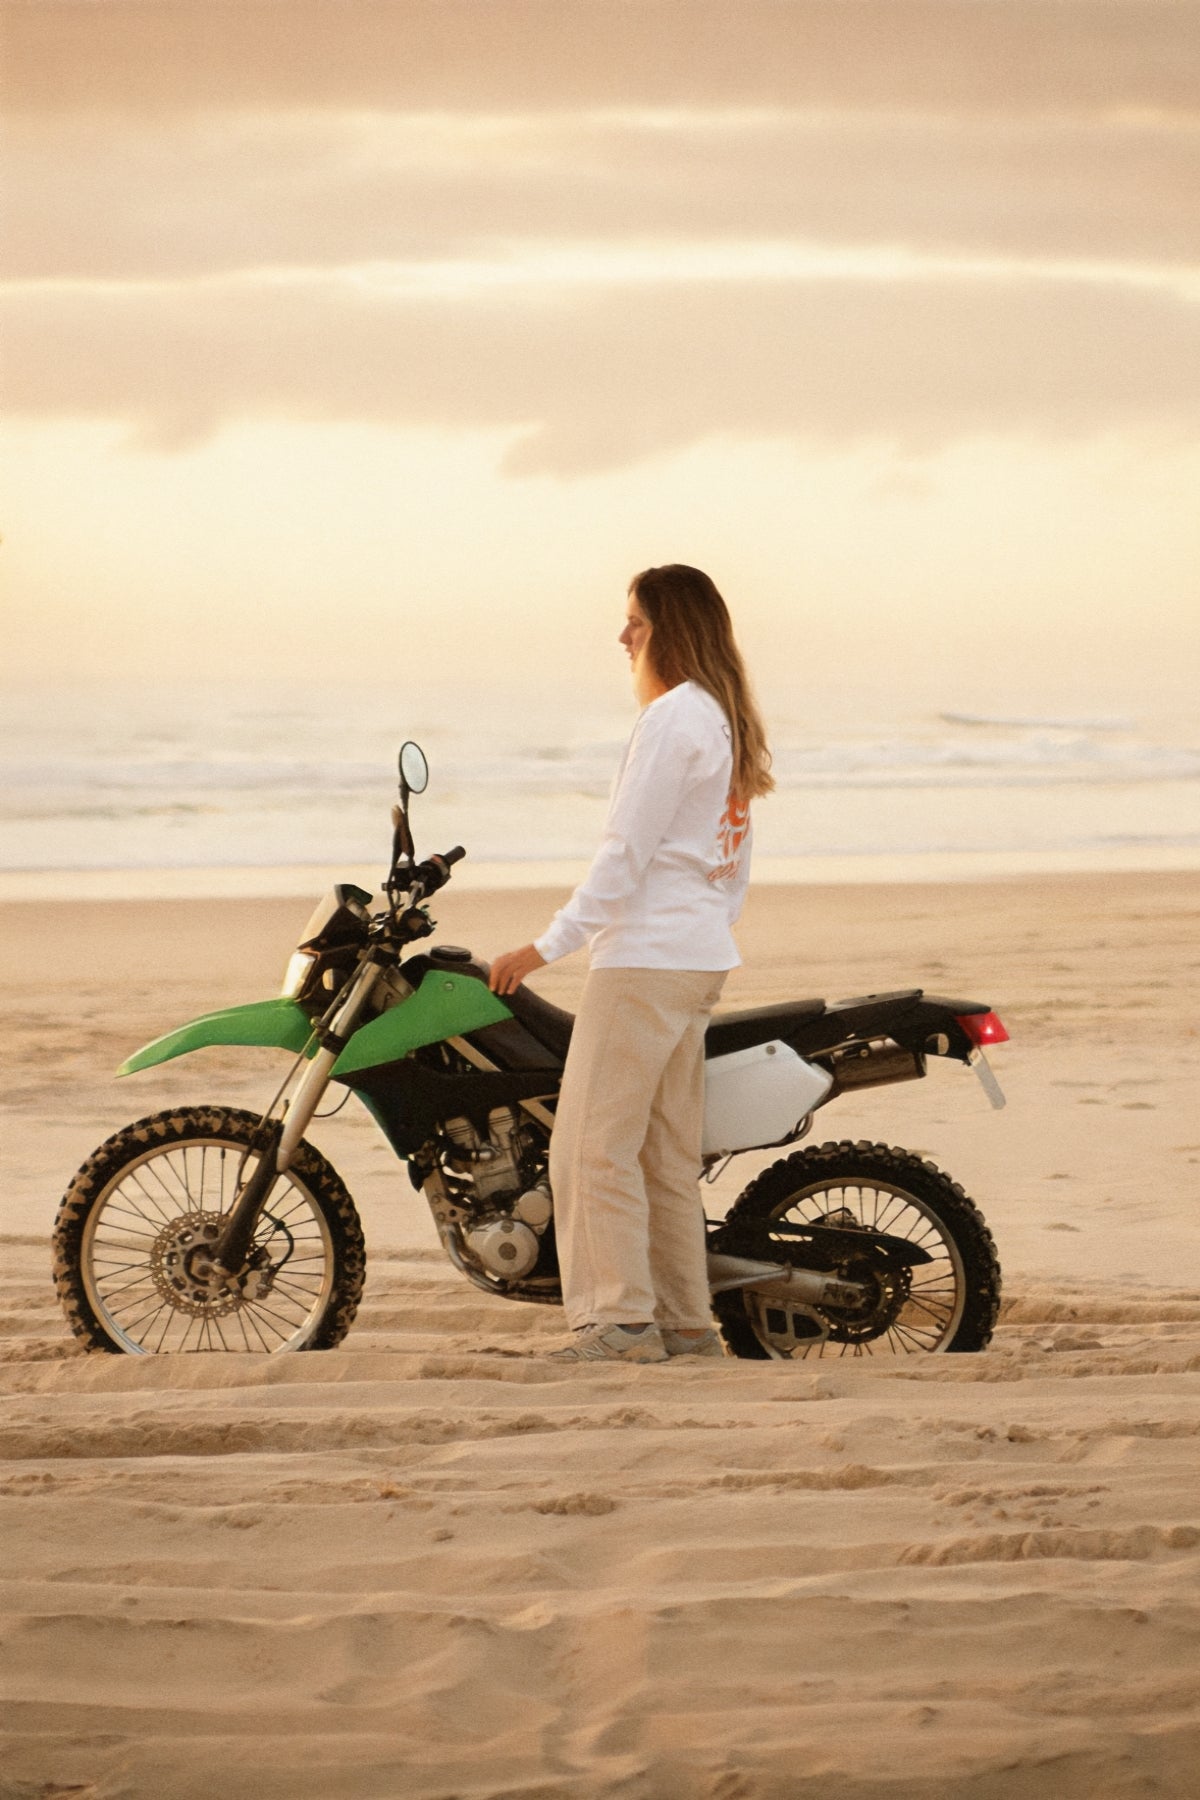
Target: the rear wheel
(947, 1303)
(133, 1239)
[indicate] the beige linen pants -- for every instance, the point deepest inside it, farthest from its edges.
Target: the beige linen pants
(625, 1152)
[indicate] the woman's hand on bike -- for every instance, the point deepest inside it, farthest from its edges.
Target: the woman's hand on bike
(510, 970)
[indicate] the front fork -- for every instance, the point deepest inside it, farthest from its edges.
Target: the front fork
(282, 1140)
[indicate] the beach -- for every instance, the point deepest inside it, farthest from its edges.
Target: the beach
(432, 1564)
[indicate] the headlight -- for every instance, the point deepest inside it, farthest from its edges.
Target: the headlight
(297, 973)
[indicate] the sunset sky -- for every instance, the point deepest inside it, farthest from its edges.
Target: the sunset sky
(359, 339)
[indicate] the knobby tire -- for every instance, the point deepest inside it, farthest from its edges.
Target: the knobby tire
(847, 1168)
(135, 1176)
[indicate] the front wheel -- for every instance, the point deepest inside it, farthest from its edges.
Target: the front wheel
(948, 1302)
(134, 1232)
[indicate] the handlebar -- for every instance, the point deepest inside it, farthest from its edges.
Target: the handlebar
(435, 872)
(426, 877)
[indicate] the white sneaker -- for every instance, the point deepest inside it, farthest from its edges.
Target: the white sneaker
(676, 1343)
(612, 1343)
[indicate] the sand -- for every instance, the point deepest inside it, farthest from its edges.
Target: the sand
(430, 1564)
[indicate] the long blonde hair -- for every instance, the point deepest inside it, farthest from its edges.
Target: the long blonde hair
(692, 640)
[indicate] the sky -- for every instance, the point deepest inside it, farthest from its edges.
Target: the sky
(381, 341)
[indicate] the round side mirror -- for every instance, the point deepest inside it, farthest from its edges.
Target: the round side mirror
(414, 770)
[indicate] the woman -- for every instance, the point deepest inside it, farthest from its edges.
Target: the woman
(656, 908)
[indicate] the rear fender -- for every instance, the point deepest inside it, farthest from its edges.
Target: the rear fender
(922, 1023)
(273, 1024)
(933, 1026)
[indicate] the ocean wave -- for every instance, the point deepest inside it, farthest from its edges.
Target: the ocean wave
(187, 789)
(1038, 756)
(1106, 722)
(192, 774)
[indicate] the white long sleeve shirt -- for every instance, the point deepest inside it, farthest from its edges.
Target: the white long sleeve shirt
(668, 881)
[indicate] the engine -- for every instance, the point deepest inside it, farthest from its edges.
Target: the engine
(510, 1206)
(492, 1163)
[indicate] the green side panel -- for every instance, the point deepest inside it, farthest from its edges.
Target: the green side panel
(279, 1024)
(445, 1005)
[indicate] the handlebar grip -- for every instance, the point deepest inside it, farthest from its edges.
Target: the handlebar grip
(435, 873)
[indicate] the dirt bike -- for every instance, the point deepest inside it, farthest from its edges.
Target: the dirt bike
(208, 1228)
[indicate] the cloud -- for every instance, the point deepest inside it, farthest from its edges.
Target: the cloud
(200, 196)
(592, 381)
(981, 56)
(191, 181)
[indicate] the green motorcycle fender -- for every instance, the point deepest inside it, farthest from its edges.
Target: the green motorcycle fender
(445, 1005)
(275, 1024)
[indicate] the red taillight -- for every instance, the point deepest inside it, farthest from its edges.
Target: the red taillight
(983, 1028)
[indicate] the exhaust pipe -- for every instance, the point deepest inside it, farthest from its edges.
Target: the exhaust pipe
(780, 1281)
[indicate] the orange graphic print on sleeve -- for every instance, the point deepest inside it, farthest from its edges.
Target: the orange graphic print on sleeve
(731, 835)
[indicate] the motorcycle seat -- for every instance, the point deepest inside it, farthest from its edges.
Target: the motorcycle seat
(759, 1025)
(550, 1025)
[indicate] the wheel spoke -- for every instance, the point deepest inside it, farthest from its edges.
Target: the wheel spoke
(262, 1315)
(151, 1228)
(167, 1321)
(159, 1177)
(118, 1268)
(136, 1189)
(219, 1329)
(301, 1283)
(114, 1293)
(247, 1317)
(939, 1314)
